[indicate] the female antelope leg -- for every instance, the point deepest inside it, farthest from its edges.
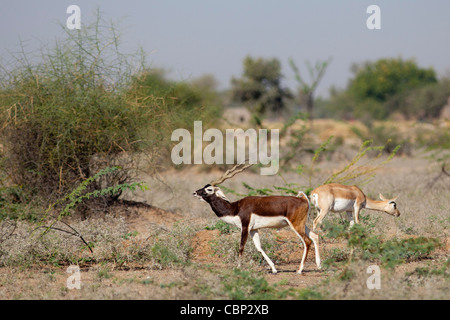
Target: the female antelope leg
(350, 218)
(257, 242)
(318, 220)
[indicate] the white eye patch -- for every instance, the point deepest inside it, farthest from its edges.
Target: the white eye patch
(209, 190)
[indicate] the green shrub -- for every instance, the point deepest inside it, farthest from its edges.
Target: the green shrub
(66, 115)
(81, 106)
(223, 227)
(374, 248)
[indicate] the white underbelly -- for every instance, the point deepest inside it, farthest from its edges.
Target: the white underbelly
(258, 222)
(343, 205)
(233, 220)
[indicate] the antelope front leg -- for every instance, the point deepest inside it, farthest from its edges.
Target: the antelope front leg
(244, 236)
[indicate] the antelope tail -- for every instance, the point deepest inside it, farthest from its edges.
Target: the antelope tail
(302, 194)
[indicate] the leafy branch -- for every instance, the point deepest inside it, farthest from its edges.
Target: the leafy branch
(75, 197)
(352, 171)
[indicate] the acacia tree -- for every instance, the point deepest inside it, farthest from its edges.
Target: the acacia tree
(382, 87)
(307, 90)
(260, 86)
(384, 78)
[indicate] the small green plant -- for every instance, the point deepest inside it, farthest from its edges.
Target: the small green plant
(163, 255)
(103, 273)
(309, 294)
(428, 272)
(223, 227)
(130, 235)
(335, 256)
(241, 285)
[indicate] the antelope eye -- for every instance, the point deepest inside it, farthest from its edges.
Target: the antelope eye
(209, 190)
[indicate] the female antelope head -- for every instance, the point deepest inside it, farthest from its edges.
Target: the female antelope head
(390, 206)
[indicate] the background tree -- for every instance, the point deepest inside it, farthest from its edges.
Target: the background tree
(425, 102)
(384, 78)
(186, 99)
(83, 105)
(306, 90)
(381, 88)
(260, 86)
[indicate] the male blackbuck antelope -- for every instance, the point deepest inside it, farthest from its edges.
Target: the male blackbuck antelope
(253, 213)
(338, 198)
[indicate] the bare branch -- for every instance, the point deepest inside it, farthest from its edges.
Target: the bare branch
(74, 233)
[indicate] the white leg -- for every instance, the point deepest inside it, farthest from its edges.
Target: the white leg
(255, 236)
(315, 239)
(305, 252)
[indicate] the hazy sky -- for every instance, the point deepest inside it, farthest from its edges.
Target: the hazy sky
(194, 37)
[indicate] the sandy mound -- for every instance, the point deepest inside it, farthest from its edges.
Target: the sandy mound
(143, 218)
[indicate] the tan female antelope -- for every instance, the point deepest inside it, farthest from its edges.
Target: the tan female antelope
(339, 198)
(253, 213)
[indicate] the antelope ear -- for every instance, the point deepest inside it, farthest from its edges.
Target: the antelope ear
(220, 194)
(381, 197)
(395, 198)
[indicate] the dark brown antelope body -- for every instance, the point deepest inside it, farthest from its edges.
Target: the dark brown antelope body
(253, 213)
